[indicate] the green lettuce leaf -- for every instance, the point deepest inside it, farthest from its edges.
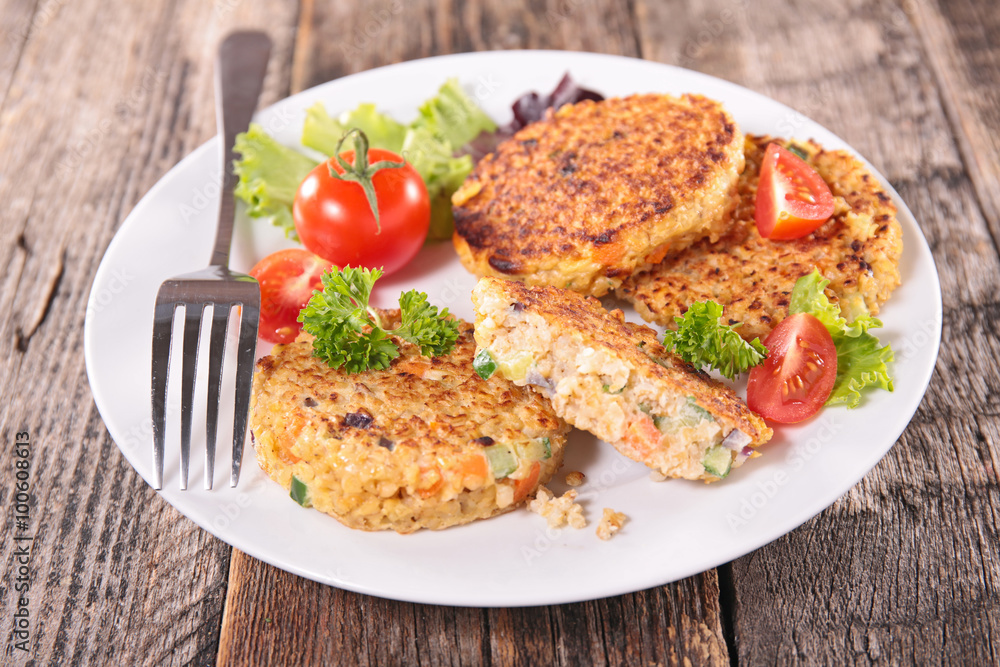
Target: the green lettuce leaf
(861, 360)
(321, 132)
(452, 116)
(442, 174)
(269, 174)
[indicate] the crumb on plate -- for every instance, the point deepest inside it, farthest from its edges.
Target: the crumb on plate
(610, 524)
(558, 511)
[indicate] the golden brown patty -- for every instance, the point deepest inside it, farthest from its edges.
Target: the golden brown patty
(858, 250)
(414, 446)
(598, 190)
(613, 378)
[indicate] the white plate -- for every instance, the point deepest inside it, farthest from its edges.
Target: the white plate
(675, 529)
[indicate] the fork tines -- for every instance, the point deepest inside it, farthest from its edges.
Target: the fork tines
(194, 310)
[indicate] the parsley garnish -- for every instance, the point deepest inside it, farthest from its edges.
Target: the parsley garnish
(348, 332)
(702, 341)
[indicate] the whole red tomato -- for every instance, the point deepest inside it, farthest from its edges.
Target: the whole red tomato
(335, 220)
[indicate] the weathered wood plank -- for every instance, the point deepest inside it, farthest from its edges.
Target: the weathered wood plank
(102, 100)
(336, 39)
(18, 18)
(665, 625)
(902, 569)
(960, 39)
(273, 617)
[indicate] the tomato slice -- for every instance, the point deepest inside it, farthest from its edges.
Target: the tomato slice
(792, 199)
(797, 377)
(287, 279)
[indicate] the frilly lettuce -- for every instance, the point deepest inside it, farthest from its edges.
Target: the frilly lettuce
(322, 133)
(269, 174)
(861, 360)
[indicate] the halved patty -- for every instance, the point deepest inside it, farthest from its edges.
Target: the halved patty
(858, 250)
(613, 378)
(426, 443)
(598, 190)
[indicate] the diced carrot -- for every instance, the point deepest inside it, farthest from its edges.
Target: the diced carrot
(524, 486)
(475, 465)
(429, 491)
(642, 436)
(609, 254)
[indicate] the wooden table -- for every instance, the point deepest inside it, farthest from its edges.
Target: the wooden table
(99, 99)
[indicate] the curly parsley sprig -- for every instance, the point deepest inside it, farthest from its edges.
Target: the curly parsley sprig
(702, 341)
(348, 332)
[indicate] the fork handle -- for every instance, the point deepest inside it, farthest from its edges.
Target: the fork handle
(239, 77)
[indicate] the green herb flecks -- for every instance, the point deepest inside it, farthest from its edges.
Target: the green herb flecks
(300, 492)
(484, 364)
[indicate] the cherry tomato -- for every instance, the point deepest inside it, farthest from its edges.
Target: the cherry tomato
(335, 221)
(792, 199)
(795, 380)
(287, 279)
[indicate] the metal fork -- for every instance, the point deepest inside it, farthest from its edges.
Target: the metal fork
(239, 76)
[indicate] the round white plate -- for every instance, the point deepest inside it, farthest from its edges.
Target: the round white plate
(675, 529)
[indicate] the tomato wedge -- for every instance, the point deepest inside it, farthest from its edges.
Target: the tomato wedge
(287, 279)
(792, 199)
(797, 377)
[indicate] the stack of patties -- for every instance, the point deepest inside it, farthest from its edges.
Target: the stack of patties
(857, 250)
(612, 378)
(599, 190)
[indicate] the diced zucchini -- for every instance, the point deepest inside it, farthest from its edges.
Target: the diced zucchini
(693, 406)
(516, 367)
(534, 450)
(718, 461)
(607, 389)
(300, 492)
(484, 364)
(547, 444)
(792, 148)
(502, 460)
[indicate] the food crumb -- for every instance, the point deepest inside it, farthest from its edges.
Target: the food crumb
(575, 478)
(657, 476)
(558, 511)
(611, 523)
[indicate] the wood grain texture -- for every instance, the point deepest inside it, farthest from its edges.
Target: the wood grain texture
(960, 39)
(276, 618)
(903, 569)
(101, 100)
